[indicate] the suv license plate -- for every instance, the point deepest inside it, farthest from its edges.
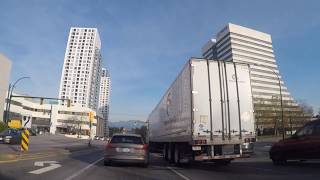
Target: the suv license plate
(123, 150)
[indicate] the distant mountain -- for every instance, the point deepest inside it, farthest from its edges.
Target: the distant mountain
(127, 124)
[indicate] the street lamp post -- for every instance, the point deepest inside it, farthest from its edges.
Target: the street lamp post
(7, 104)
(10, 97)
(50, 119)
(281, 104)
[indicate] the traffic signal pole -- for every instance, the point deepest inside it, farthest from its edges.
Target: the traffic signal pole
(89, 143)
(91, 117)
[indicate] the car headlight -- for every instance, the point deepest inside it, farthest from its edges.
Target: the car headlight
(8, 137)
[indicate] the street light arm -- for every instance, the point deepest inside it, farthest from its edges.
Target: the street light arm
(14, 84)
(10, 97)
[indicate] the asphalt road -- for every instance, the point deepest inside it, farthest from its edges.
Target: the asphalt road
(88, 164)
(43, 142)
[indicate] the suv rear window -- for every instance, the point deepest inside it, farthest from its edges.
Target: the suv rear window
(126, 139)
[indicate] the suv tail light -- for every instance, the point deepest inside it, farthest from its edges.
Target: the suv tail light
(143, 147)
(109, 146)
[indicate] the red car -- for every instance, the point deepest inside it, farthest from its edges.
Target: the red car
(303, 145)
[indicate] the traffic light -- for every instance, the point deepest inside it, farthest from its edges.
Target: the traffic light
(91, 117)
(41, 101)
(68, 102)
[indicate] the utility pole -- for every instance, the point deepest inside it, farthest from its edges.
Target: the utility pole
(290, 126)
(282, 119)
(50, 118)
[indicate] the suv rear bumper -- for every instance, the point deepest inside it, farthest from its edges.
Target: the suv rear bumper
(124, 158)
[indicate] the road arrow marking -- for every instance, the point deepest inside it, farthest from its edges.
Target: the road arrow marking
(52, 165)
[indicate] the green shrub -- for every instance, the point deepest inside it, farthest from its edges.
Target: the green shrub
(3, 126)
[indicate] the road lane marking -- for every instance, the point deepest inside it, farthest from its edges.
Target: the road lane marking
(178, 173)
(263, 169)
(84, 169)
(52, 165)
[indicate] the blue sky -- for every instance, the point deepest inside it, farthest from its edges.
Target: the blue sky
(146, 43)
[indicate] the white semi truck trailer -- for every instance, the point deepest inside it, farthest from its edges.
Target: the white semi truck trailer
(206, 114)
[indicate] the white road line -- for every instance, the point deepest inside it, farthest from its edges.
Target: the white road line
(262, 169)
(179, 174)
(82, 170)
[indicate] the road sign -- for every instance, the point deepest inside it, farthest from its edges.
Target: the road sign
(54, 102)
(15, 123)
(25, 140)
(52, 165)
(26, 121)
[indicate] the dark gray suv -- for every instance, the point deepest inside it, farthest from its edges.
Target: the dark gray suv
(10, 136)
(128, 148)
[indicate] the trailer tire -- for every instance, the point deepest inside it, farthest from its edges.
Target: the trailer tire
(106, 162)
(171, 153)
(177, 154)
(165, 152)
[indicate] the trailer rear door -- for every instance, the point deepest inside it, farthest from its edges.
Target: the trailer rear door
(200, 93)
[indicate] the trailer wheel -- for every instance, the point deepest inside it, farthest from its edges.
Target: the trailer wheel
(165, 152)
(171, 153)
(176, 154)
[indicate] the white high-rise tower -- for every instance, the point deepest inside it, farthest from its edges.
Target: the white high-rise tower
(80, 78)
(104, 98)
(240, 44)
